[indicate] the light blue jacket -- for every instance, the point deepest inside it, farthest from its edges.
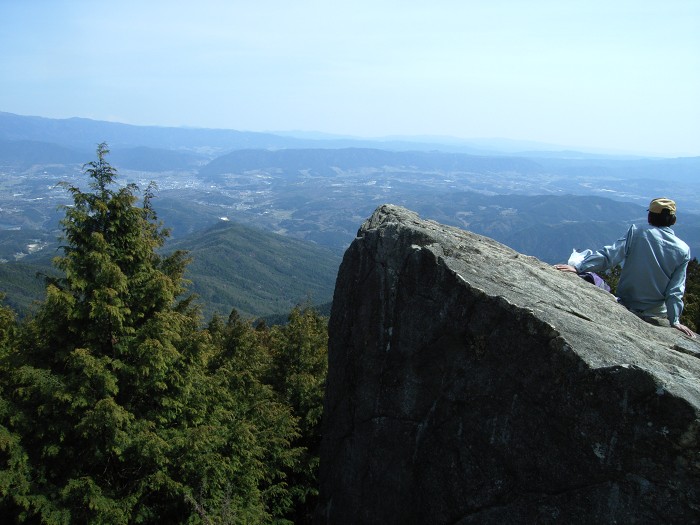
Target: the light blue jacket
(654, 261)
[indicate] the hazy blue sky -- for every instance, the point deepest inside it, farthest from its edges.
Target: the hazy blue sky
(610, 74)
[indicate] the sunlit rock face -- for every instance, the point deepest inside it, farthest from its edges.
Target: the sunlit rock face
(472, 384)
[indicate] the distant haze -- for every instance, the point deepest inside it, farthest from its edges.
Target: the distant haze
(618, 77)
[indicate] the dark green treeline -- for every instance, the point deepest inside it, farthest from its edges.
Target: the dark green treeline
(116, 406)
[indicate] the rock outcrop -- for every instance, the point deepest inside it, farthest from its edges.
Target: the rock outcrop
(471, 384)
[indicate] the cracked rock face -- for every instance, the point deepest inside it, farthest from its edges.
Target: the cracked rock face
(471, 384)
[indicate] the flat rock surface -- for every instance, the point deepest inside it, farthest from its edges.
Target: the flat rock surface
(472, 384)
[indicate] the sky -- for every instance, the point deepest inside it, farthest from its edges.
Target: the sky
(616, 76)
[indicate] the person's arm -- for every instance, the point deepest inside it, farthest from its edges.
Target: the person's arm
(674, 299)
(604, 259)
(607, 257)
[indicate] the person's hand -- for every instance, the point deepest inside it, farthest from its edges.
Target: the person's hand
(687, 331)
(565, 268)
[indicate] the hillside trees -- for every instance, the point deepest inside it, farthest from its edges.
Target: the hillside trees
(282, 366)
(691, 311)
(7, 325)
(116, 407)
(298, 374)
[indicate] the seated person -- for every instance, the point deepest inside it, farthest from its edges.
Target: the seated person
(653, 261)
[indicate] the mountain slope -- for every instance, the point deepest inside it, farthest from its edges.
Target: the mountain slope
(25, 153)
(256, 272)
(85, 133)
(233, 266)
(23, 283)
(154, 159)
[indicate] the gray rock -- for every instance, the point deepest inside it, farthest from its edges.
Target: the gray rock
(471, 384)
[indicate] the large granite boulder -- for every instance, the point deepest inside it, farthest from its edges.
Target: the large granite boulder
(471, 384)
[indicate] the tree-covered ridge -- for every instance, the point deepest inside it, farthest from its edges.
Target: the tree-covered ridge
(258, 272)
(691, 298)
(116, 406)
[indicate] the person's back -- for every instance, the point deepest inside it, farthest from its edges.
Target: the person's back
(654, 262)
(653, 274)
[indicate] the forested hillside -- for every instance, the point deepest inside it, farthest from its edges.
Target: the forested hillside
(116, 406)
(259, 273)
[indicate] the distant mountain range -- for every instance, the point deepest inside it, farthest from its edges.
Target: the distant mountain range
(268, 216)
(83, 134)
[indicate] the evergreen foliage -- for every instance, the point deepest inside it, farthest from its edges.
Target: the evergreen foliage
(285, 367)
(612, 277)
(298, 374)
(258, 272)
(116, 407)
(691, 310)
(23, 284)
(7, 325)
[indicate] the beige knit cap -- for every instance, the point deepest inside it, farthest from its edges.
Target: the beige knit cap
(662, 203)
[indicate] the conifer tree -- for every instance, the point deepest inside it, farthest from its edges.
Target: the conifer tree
(691, 298)
(7, 326)
(240, 367)
(298, 373)
(12, 456)
(116, 407)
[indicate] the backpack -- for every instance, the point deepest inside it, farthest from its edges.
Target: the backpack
(595, 279)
